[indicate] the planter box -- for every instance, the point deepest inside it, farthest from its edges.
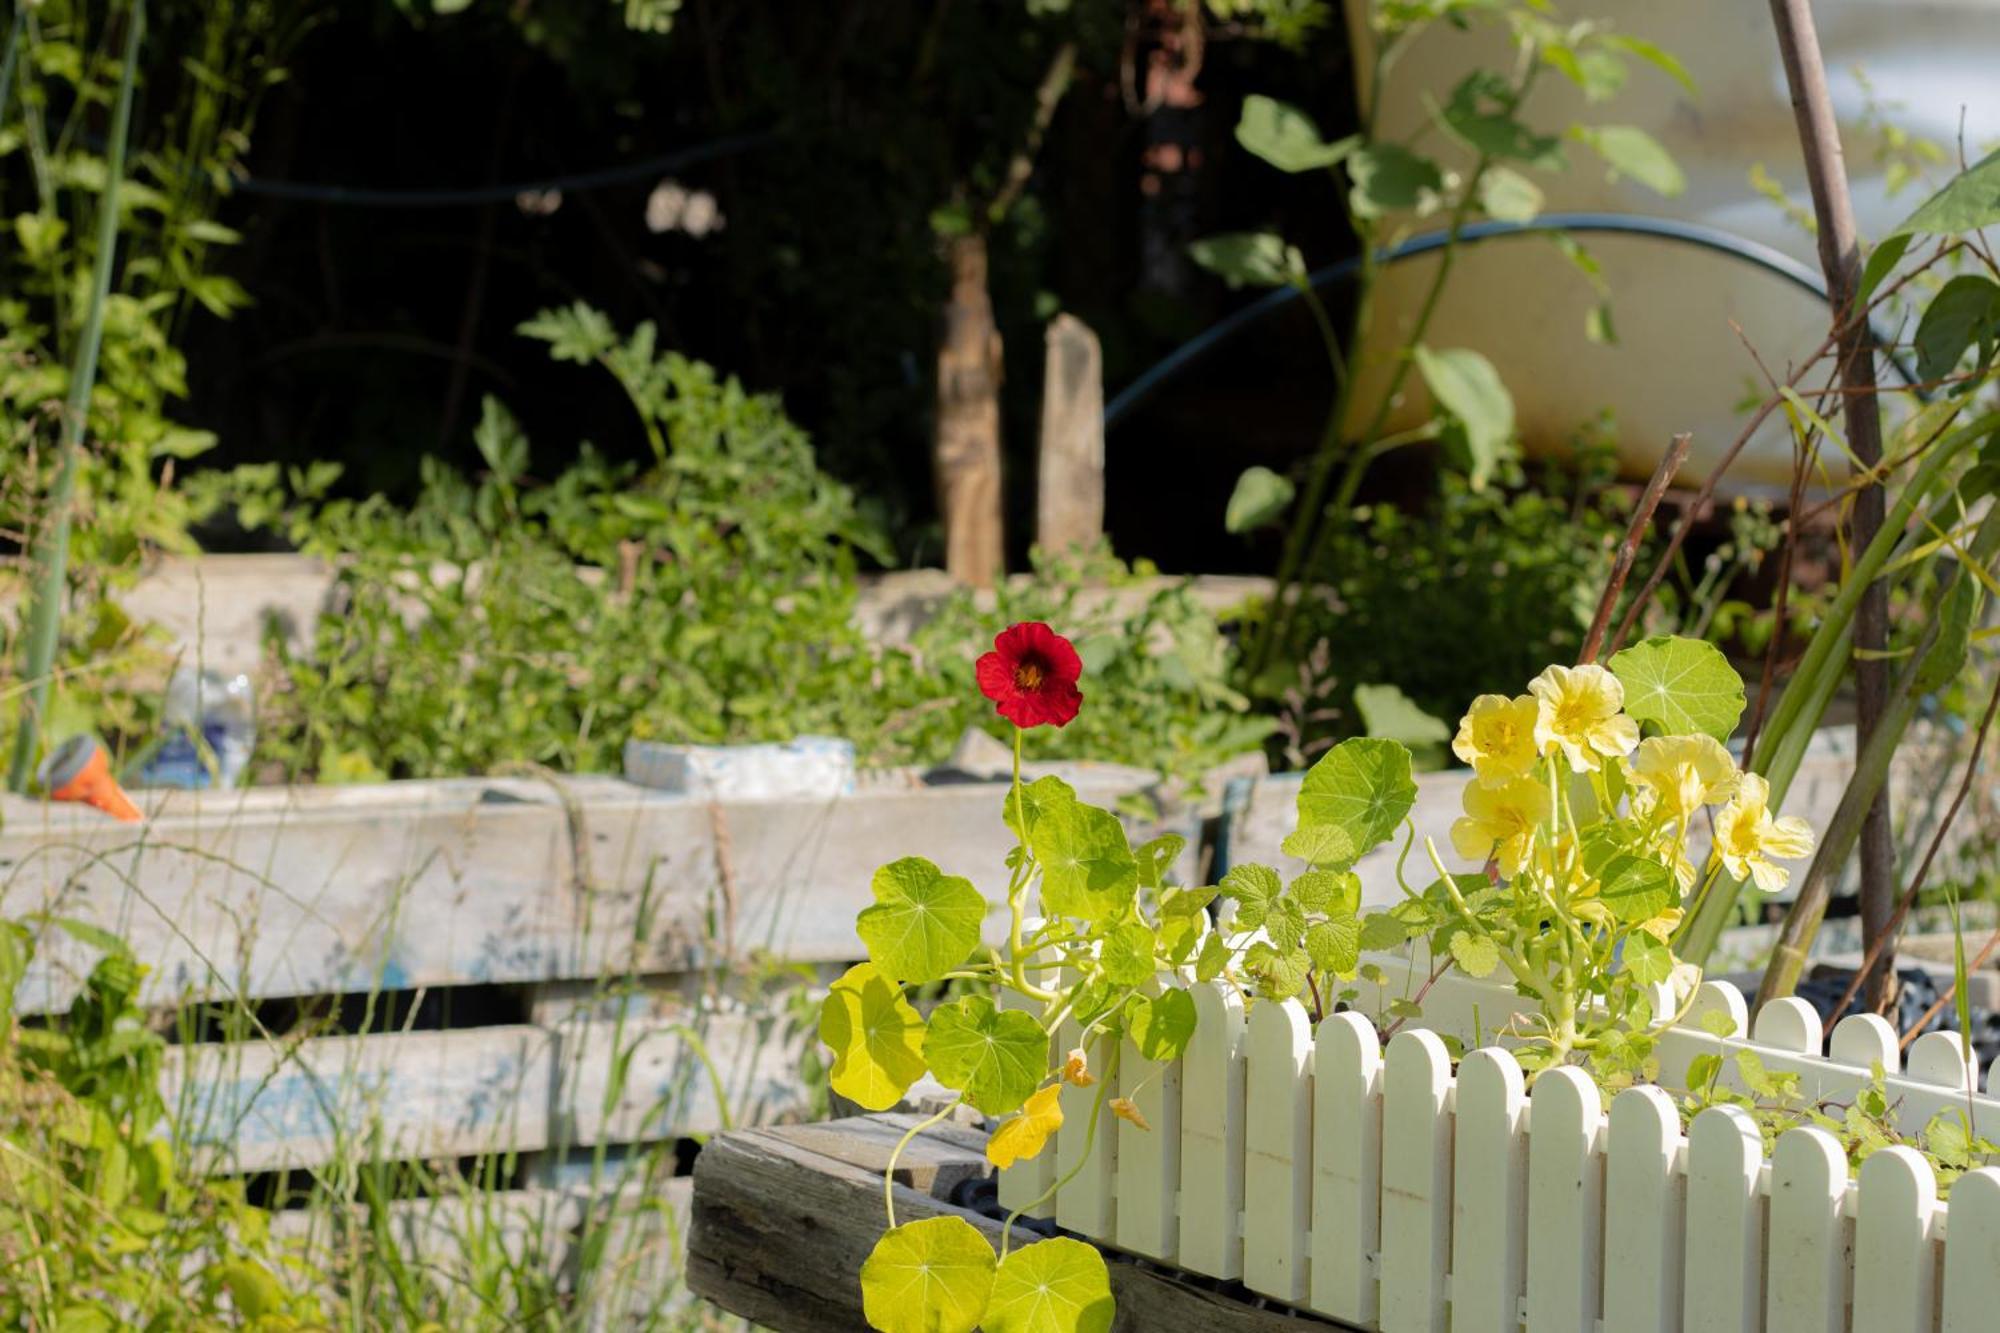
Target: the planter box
(1391, 1192)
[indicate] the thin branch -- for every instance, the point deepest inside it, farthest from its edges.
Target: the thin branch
(1628, 550)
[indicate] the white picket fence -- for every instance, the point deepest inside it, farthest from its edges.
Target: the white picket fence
(1385, 1190)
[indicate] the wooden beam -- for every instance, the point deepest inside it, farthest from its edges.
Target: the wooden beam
(1070, 477)
(783, 1219)
(967, 447)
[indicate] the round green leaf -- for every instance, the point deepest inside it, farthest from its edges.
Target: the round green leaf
(1476, 955)
(1681, 686)
(1328, 892)
(876, 1038)
(933, 1276)
(995, 1057)
(1127, 955)
(1320, 845)
(1636, 888)
(924, 922)
(1037, 798)
(1335, 946)
(1088, 869)
(1649, 961)
(1361, 787)
(1162, 1025)
(1053, 1286)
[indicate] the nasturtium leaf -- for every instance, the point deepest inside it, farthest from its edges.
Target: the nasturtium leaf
(1038, 798)
(1392, 715)
(932, 1276)
(1180, 936)
(876, 1038)
(1127, 954)
(1253, 888)
(1630, 151)
(1381, 930)
(1965, 311)
(1092, 1000)
(1189, 901)
(1161, 1025)
(1320, 845)
(1636, 888)
(1285, 923)
(1328, 892)
(1649, 961)
(1468, 389)
(924, 922)
(1476, 955)
(1286, 137)
(1057, 1285)
(1260, 496)
(1022, 1137)
(1389, 178)
(1088, 869)
(1213, 958)
(1335, 946)
(995, 1056)
(1156, 858)
(1362, 787)
(1680, 686)
(1249, 259)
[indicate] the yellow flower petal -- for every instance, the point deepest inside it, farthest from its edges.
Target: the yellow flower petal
(1500, 822)
(1125, 1110)
(1497, 737)
(1580, 716)
(1023, 1136)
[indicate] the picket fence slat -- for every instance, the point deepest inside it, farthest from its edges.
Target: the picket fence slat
(1416, 1182)
(1972, 1253)
(1088, 1202)
(1808, 1245)
(1149, 1159)
(1347, 1168)
(1788, 1024)
(1277, 1150)
(1646, 1203)
(1211, 1211)
(1565, 1200)
(1489, 1208)
(1723, 1292)
(1944, 1060)
(1866, 1040)
(1894, 1278)
(1028, 1181)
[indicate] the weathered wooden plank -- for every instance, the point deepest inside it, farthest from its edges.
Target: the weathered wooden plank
(780, 1231)
(315, 891)
(257, 1106)
(1069, 483)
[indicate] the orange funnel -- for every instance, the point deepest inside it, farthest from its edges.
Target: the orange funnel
(78, 771)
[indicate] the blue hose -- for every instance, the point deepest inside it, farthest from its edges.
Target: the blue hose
(1768, 258)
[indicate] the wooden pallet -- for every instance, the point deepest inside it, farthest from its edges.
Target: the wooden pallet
(784, 1217)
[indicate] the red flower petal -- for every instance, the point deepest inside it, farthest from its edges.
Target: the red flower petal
(1031, 676)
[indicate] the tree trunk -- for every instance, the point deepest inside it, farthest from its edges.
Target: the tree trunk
(1069, 481)
(968, 420)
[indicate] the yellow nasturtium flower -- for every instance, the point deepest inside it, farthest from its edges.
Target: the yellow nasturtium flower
(1497, 737)
(1076, 1068)
(1580, 715)
(1022, 1137)
(1684, 773)
(1751, 842)
(1501, 822)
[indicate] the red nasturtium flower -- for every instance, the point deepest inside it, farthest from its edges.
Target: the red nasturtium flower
(1031, 675)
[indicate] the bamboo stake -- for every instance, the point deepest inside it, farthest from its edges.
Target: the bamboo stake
(1840, 258)
(45, 617)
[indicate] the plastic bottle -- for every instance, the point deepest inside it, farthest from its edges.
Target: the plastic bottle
(222, 711)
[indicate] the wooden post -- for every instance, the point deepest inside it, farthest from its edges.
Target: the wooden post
(1840, 258)
(1070, 486)
(968, 420)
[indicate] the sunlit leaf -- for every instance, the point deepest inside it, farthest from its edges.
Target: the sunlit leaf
(1286, 137)
(924, 922)
(1363, 787)
(1476, 955)
(1468, 389)
(995, 1056)
(1127, 954)
(1088, 869)
(1261, 495)
(930, 1276)
(1630, 151)
(1021, 1138)
(1680, 686)
(1052, 1286)
(1389, 178)
(1161, 1025)
(876, 1038)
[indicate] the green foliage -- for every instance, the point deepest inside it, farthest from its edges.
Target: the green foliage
(1261, 496)
(1680, 686)
(1478, 408)
(104, 1227)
